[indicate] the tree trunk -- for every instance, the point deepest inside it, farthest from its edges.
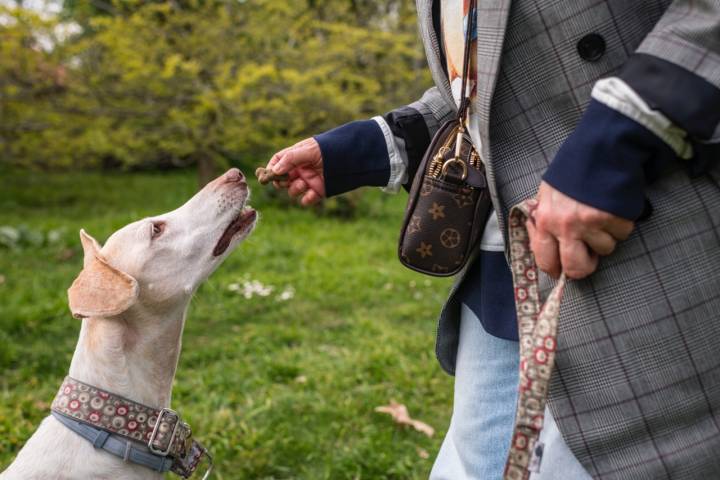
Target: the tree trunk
(207, 170)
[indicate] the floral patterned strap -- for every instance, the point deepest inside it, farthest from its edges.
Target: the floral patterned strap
(537, 326)
(163, 431)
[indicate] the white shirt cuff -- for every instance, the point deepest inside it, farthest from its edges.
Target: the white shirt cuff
(618, 95)
(397, 155)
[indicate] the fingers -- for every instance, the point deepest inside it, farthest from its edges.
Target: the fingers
(310, 198)
(576, 259)
(303, 153)
(287, 160)
(581, 233)
(600, 242)
(302, 164)
(545, 248)
(276, 158)
(297, 187)
(619, 228)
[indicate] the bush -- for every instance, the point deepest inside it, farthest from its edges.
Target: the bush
(198, 82)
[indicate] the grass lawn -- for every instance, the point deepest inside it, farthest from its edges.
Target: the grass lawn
(278, 389)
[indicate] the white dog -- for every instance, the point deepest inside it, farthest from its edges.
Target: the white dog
(132, 296)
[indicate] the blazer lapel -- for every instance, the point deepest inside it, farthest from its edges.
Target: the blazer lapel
(491, 22)
(432, 49)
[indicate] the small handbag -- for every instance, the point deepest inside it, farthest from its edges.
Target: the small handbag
(449, 202)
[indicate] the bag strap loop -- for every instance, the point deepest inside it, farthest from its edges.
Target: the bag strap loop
(465, 99)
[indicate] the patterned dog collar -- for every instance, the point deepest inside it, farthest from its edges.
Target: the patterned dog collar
(162, 431)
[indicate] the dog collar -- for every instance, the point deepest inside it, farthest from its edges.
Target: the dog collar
(155, 438)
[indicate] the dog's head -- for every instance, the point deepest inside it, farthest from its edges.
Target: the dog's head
(160, 261)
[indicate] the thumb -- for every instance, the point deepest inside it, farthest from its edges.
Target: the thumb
(294, 157)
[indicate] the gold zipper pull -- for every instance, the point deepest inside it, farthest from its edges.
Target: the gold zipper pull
(458, 143)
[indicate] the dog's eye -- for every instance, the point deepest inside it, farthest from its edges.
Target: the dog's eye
(157, 229)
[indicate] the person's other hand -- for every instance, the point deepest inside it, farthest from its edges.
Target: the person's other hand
(569, 236)
(303, 165)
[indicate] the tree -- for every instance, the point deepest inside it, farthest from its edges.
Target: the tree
(217, 82)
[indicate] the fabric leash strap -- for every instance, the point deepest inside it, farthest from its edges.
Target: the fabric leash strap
(537, 325)
(111, 422)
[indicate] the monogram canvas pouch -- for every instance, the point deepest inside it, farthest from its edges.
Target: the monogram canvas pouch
(448, 206)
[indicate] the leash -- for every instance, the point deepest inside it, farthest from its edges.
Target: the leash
(154, 438)
(537, 329)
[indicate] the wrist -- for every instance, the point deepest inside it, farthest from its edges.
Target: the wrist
(604, 162)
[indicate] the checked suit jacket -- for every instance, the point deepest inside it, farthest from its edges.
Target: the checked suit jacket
(636, 392)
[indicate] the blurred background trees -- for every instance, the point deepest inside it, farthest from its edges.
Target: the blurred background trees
(158, 84)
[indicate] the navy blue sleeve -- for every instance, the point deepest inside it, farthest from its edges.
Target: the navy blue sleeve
(688, 100)
(605, 162)
(409, 125)
(354, 155)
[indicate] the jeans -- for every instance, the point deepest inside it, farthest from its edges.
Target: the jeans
(486, 384)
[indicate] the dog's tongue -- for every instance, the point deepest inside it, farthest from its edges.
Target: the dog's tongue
(245, 218)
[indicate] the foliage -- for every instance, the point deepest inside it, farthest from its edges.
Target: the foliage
(279, 385)
(30, 81)
(23, 237)
(193, 81)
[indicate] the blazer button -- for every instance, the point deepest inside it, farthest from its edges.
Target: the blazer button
(591, 47)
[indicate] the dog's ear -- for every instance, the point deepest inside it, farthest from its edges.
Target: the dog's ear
(100, 290)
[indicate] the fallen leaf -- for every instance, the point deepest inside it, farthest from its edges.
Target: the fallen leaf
(2, 279)
(301, 379)
(422, 453)
(400, 415)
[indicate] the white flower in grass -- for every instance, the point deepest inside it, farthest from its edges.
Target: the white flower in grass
(255, 287)
(286, 294)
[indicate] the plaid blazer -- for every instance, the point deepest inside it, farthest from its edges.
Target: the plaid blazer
(636, 392)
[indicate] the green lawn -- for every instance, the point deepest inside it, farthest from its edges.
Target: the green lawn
(289, 386)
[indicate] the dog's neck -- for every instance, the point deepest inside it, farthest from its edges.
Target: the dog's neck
(134, 355)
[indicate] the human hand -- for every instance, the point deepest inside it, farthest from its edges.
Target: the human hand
(303, 165)
(569, 236)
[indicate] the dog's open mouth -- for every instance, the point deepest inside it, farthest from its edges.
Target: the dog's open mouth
(241, 223)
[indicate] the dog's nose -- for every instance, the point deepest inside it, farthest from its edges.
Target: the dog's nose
(234, 175)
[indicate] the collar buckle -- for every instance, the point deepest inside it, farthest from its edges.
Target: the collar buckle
(159, 443)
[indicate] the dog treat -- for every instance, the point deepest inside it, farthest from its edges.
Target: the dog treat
(265, 176)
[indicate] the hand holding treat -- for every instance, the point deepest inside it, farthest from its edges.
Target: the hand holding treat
(299, 169)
